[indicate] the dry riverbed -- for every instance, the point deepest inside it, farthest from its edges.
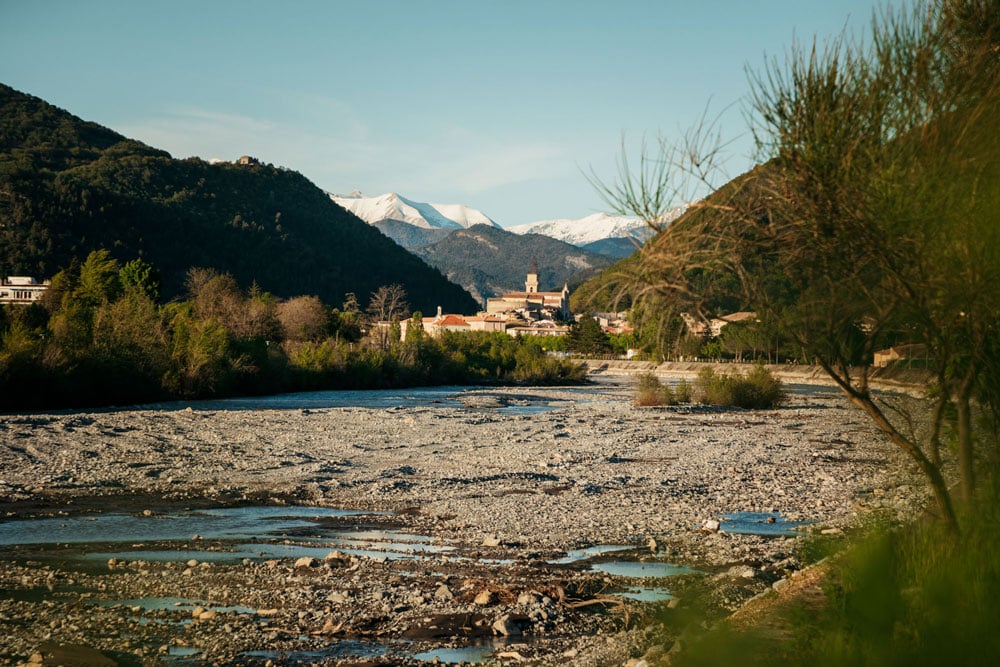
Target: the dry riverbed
(467, 512)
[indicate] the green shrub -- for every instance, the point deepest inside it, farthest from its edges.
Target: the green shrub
(650, 391)
(756, 390)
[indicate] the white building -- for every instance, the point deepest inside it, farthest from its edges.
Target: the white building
(22, 289)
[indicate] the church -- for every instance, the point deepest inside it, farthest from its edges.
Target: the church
(531, 300)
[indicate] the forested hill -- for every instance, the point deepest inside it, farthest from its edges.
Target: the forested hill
(68, 187)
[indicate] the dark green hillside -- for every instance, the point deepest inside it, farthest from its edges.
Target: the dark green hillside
(488, 261)
(68, 187)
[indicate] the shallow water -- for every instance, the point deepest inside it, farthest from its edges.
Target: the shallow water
(760, 523)
(577, 555)
(636, 569)
(232, 523)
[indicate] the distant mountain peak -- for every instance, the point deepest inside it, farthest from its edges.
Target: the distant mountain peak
(590, 229)
(393, 206)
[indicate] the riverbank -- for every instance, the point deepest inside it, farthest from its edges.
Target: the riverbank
(506, 491)
(913, 381)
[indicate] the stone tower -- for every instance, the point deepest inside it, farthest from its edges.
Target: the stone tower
(531, 284)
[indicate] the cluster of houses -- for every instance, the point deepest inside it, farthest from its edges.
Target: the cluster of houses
(531, 312)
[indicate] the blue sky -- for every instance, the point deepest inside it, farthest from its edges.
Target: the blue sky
(500, 105)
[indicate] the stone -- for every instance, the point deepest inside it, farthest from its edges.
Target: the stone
(207, 615)
(710, 526)
(335, 555)
(491, 541)
(192, 563)
(527, 599)
(484, 598)
(506, 627)
(443, 593)
(306, 561)
(781, 584)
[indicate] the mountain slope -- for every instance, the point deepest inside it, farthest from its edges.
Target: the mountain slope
(392, 206)
(68, 187)
(488, 261)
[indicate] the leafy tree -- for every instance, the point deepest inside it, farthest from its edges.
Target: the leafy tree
(587, 337)
(98, 280)
(141, 276)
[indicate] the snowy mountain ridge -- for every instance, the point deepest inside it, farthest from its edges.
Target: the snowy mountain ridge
(393, 206)
(593, 228)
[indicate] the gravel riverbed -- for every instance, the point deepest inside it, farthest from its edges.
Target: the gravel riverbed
(503, 482)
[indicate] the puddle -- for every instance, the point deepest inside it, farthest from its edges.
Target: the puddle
(643, 594)
(760, 523)
(347, 648)
(577, 555)
(637, 569)
(232, 523)
(171, 604)
(475, 652)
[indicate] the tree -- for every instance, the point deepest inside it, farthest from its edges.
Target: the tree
(303, 318)
(587, 337)
(870, 219)
(141, 276)
(98, 280)
(386, 307)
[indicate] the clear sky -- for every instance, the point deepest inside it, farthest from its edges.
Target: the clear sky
(497, 104)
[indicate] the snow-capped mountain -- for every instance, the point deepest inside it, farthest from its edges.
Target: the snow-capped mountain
(392, 206)
(591, 229)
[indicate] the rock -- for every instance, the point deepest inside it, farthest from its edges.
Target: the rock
(710, 526)
(335, 555)
(831, 531)
(197, 611)
(484, 598)
(207, 615)
(651, 543)
(781, 584)
(112, 563)
(491, 541)
(527, 599)
(306, 561)
(192, 563)
(443, 593)
(742, 572)
(147, 512)
(506, 627)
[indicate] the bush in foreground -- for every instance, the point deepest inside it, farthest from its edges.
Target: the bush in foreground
(650, 391)
(755, 390)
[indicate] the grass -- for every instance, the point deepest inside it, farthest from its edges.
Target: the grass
(913, 596)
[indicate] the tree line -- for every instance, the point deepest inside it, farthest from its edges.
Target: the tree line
(101, 336)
